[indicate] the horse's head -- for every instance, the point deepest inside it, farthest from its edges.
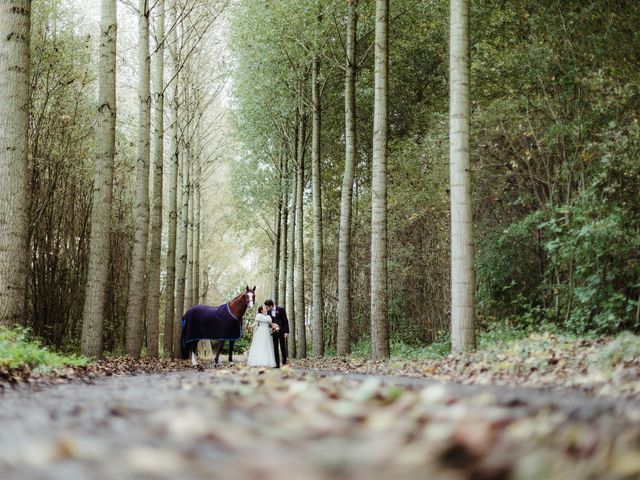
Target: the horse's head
(250, 296)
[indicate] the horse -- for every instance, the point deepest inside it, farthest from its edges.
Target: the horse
(224, 322)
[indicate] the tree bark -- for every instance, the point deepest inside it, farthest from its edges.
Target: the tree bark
(169, 306)
(346, 197)
(291, 249)
(197, 205)
(282, 275)
(317, 297)
(15, 86)
(91, 342)
(181, 248)
(135, 306)
(379, 301)
(301, 340)
(462, 273)
(155, 243)
(189, 287)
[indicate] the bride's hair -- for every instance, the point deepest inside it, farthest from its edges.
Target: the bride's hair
(260, 308)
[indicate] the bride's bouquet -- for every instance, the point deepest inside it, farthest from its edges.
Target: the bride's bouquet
(275, 327)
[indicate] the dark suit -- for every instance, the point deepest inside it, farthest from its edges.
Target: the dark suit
(279, 342)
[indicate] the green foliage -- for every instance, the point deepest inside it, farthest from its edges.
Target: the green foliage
(18, 348)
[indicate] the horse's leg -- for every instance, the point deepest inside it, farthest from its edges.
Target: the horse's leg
(193, 347)
(231, 344)
(218, 350)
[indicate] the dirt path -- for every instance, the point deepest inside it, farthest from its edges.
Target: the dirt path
(296, 424)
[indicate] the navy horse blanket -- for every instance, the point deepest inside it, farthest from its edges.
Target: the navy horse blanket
(203, 322)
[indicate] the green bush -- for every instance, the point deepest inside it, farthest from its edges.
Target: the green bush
(17, 349)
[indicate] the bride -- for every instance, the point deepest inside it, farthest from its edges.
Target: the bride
(261, 350)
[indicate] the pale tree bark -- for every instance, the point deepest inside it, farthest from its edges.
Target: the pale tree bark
(91, 342)
(346, 196)
(379, 301)
(169, 306)
(316, 182)
(155, 241)
(197, 203)
(135, 304)
(301, 338)
(276, 240)
(183, 219)
(282, 274)
(189, 287)
(462, 273)
(291, 248)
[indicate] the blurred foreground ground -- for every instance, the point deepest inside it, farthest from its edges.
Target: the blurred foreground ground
(248, 423)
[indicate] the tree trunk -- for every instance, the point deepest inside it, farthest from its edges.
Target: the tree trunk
(462, 274)
(135, 306)
(379, 302)
(155, 243)
(291, 248)
(197, 199)
(282, 275)
(301, 340)
(275, 266)
(15, 86)
(91, 343)
(181, 248)
(346, 197)
(317, 298)
(169, 306)
(189, 287)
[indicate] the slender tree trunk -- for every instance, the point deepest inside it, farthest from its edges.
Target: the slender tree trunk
(182, 247)
(317, 298)
(197, 204)
(282, 275)
(169, 306)
(155, 243)
(346, 197)
(189, 287)
(301, 338)
(135, 306)
(275, 261)
(291, 248)
(462, 274)
(379, 302)
(91, 343)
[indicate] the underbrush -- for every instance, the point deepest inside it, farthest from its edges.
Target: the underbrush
(18, 349)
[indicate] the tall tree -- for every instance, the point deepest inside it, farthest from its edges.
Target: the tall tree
(346, 197)
(301, 340)
(462, 273)
(183, 219)
(172, 217)
(316, 182)
(291, 250)
(135, 304)
(282, 265)
(197, 206)
(153, 294)
(15, 26)
(379, 302)
(98, 271)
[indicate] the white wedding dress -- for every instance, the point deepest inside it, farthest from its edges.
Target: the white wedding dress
(261, 350)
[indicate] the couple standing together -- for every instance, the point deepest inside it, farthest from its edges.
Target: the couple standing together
(270, 334)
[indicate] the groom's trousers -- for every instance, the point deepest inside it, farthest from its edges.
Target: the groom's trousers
(279, 344)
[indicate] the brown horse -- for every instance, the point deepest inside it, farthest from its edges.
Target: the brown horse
(224, 322)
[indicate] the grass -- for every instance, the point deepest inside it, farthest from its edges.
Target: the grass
(18, 349)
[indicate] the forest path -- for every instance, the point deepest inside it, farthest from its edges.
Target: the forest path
(298, 424)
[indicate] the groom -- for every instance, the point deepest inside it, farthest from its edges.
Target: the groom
(279, 316)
